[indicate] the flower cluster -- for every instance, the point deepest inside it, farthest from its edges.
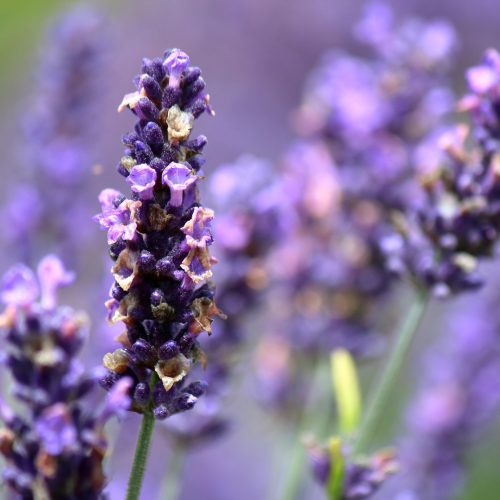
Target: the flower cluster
(372, 111)
(159, 240)
(361, 120)
(359, 480)
(57, 136)
(458, 222)
(55, 448)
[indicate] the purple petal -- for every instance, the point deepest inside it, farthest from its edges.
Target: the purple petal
(19, 286)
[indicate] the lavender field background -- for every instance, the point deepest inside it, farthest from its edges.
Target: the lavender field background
(256, 56)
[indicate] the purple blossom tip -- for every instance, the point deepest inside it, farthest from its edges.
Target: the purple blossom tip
(178, 178)
(175, 63)
(482, 79)
(19, 286)
(142, 180)
(52, 274)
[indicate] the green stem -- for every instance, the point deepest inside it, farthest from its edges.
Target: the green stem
(140, 457)
(390, 375)
(296, 465)
(173, 481)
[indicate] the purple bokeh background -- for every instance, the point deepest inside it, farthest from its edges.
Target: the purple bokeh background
(255, 57)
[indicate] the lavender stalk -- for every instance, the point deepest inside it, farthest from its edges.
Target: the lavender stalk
(159, 241)
(390, 375)
(140, 457)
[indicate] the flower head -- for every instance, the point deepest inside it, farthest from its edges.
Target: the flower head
(55, 435)
(441, 240)
(159, 240)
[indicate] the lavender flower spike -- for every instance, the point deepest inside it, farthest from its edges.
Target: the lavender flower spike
(48, 205)
(159, 240)
(441, 242)
(56, 444)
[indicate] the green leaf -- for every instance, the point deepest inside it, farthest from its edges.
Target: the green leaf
(346, 390)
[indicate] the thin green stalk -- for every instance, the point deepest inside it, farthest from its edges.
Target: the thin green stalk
(173, 481)
(140, 457)
(312, 418)
(390, 375)
(142, 449)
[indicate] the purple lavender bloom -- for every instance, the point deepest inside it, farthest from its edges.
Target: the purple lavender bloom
(52, 275)
(197, 229)
(175, 63)
(120, 221)
(142, 180)
(360, 479)
(56, 430)
(178, 178)
(54, 441)
(19, 286)
(362, 119)
(442, 239)
(58, 138)
(159, 241)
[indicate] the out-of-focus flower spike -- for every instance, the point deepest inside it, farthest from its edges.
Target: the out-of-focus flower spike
(58, 132)
(456, 224)
(54, 441)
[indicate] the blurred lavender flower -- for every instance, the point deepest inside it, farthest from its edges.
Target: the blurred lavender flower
(58, 134)
(360, 479)
(362, 120)
(372, 112)
(458, 222)
(55, 448)
(159, 241)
